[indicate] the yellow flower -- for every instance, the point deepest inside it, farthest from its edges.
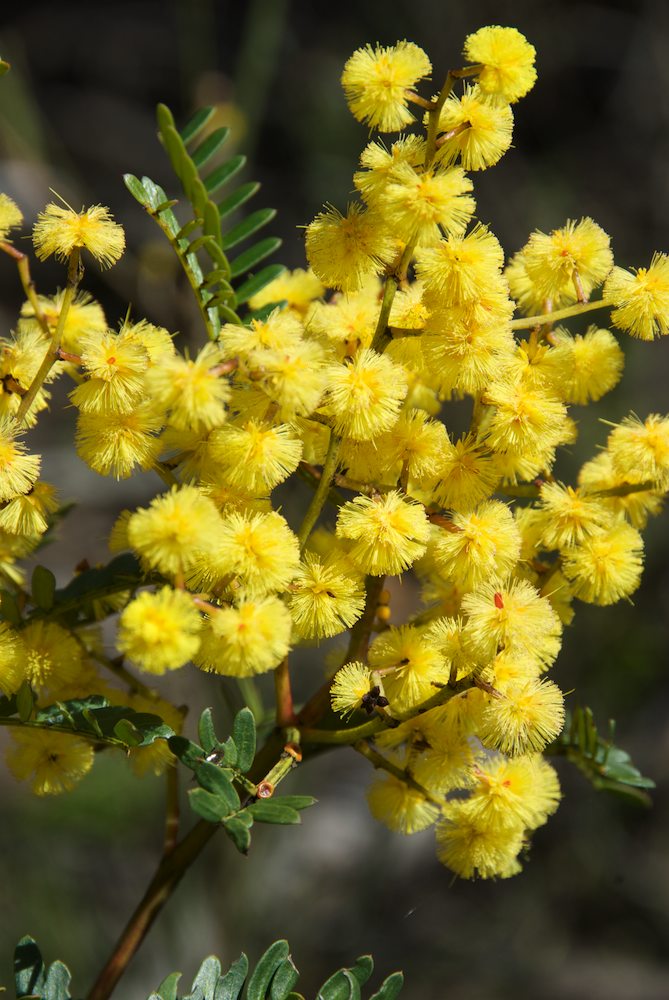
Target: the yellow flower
(477, 547)
(255, 456)
(350, 685)
(468, 475)
(507, 58)
(18, 471)
(606, 566)
(375, 81)
(471, 847)
(259, 549)
(326, 597)
(60, 230)
(513, 617)
(411, 665)
(459, 269)
(53, 657)
(388, 532)
(115, 364)
(28, 514)
(507, 792)
(344, 250)
(365, 395)
(419, 205)
(641, 299)
(639, 450)
(296, 288)
(483, 124)
(54, 761)
(599, 474)
(114, 443)
(11, 215)
(526, 717)
(579, 253)
(248, 639)
(590, 365)
(159, 631)
(400, 807)
(568, 516)
(174, 531)
(12, 660)
(380, 163)
(85, 319)
(192, 390)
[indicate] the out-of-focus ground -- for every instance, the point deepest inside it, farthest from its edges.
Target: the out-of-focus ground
(589, 916)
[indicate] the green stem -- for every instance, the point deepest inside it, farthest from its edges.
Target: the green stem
(435, 110)
(322, 490)
(527, 322)
(73, 278)
(391, 286)
(343, 737)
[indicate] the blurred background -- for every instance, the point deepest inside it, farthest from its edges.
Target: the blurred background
(589, 916)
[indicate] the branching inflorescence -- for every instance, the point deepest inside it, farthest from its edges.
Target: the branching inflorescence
(347, 390)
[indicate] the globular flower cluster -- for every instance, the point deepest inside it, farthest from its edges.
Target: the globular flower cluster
(348, 386)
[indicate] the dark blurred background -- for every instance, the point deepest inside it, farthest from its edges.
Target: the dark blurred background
(589, 916)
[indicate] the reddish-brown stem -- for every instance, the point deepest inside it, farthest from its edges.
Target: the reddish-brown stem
(171, 810)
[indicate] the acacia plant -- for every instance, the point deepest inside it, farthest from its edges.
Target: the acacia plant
(339, 377)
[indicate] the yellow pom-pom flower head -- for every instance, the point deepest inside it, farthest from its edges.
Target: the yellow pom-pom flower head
(524, 718)
(479, 129)
(350, 688)
(345, 250)
(410, 664)
(365, 395)
(399, 806)
(639, 449)
(388, 532)
(60, 230)
(254, 455)
(471, 847)
(641, 299)
(248, 639)
(11, 215)
(418, 205)
(579, 254)
(606, 566)
(326, 597)
(375, 82)
(590, 365)
(54, 761)
(172, 534)
(53, 657)
(474, 548)
(159, 631)
(513, 617)
(507, 59)
(257, 548)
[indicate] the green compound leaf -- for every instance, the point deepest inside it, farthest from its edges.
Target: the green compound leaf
(213, 779)
(390, 987)
(196, 124)
(206, 731)
(248, 260)
(43, 588)
(209, 146)
(201, 236)
(239, 833)
(262, 974)
(272, 811)
(29, 970)
(237, 198)
(283, 980)
(248, 227)
(605, 765)
(221, 175)
(273, 978)
(231, 984)
(9, 608)
(209, 806)
(244, 736)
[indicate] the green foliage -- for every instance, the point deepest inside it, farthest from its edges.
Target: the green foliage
(220, 768)
(605, 765)
(273, 978)
(92, 718)
(213, 282)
